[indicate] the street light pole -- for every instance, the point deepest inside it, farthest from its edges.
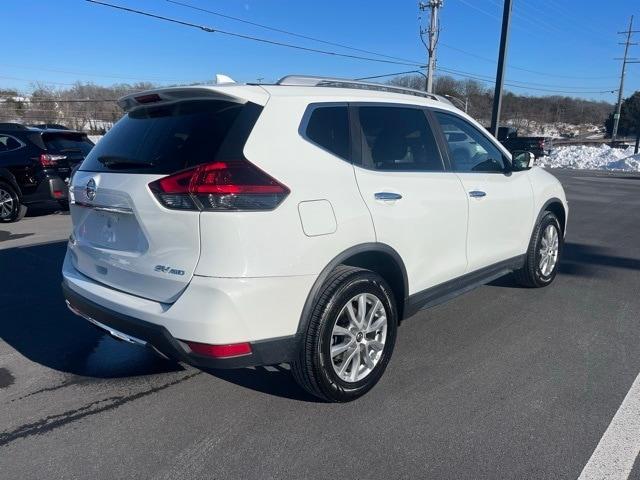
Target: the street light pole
(504, 43)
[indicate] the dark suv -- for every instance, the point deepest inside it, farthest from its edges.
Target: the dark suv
(35, 165)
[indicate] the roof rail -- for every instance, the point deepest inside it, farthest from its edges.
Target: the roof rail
(12, 126)
(313, 81)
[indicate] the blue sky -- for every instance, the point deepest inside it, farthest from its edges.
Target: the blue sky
(569, 44)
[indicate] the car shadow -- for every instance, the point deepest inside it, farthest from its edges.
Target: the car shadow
(273, 380)
(35, 321)
(45, 208)
(581, 260)
(4, 235)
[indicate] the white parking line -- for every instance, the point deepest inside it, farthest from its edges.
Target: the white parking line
(618, 448)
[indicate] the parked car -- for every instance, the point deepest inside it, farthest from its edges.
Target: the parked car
(539, 146)
(504, 132)
(240, 225)
(35, 165)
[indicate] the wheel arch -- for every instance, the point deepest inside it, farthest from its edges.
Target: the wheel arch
(8, 177)
(377, 257)
(555, 206)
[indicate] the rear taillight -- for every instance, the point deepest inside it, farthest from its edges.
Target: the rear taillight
(224, 185)
(49, 160)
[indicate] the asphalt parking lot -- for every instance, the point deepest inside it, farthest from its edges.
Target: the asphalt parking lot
(503, 382)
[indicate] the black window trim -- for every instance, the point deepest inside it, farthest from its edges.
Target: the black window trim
(22, 144)
(357, 138)
(443, 140)
(304, 123)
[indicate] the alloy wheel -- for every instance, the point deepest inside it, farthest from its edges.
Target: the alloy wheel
(6, 204)
(549, 244)
(358, 337)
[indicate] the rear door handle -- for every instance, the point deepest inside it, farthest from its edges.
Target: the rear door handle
(477, 194)
(387, 196)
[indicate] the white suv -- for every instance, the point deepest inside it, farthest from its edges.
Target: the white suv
(240, 225)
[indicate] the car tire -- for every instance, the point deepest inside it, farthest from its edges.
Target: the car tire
(543, 255)
(345, 349)
(11, 210)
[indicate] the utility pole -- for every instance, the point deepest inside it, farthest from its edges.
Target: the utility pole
(625, 61)
(432, 32)
(504, 43)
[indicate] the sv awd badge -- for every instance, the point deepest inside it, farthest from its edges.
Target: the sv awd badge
(169, 270)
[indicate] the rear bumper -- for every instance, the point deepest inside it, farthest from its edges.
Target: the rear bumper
(264, 312)
(263, 352)
(50, 188)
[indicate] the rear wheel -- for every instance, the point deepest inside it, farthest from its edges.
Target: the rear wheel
(543, 255)
(11, 210)
(350, 336)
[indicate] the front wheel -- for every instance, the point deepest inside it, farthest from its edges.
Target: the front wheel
(543, 255)
(349, 338)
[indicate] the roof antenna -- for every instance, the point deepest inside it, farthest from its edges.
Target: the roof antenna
(223, 79)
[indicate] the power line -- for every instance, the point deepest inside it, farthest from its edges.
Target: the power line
(526, 84)
(36, 81)
(509, 84)
(67, 100)
(250, 37)
(480, 79)
(286, 32)
(102, 75)
(528, 70)
(395, 74)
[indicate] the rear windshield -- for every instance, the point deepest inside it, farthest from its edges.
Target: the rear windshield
(166, 139)
(67, 143)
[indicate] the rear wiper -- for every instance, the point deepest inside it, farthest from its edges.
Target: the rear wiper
(114, 161)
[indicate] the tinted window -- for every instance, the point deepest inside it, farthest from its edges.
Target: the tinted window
(8, 143)
(470, 150)
(67, 142)
(166, 139)
(329, 128)
(397, 138)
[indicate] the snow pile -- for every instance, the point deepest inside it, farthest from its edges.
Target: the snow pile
(602, 157)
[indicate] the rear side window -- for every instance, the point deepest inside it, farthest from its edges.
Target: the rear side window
(67, 143)
(398, 138)
(164, 139)
(329, 128)
(8, 143)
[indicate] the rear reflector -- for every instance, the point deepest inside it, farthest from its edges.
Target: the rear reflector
(58, 194)
(220, 351)
(225, 185)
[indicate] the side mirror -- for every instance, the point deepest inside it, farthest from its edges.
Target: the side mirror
(522, 161)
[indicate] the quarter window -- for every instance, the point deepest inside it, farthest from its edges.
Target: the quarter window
(398, 138)
(8, 143)
(470, 150)
(329, 128)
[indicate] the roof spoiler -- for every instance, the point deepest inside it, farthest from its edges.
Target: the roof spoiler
(228, 92)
